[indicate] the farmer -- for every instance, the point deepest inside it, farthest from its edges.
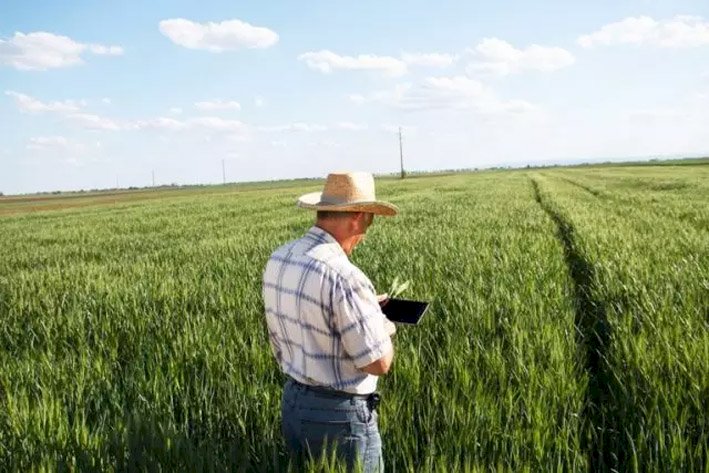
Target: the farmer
(327, 330)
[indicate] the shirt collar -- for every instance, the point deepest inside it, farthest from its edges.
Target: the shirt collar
(323, 237)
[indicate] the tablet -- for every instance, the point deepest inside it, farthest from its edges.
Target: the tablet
(404, 311)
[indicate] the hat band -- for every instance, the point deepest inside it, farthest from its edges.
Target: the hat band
(336, 200)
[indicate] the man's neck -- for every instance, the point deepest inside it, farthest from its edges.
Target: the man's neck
(343, 238)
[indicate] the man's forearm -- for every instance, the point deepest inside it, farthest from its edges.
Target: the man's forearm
(380, 366)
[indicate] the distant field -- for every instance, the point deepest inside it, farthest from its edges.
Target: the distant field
(569, 328)
(70, 200)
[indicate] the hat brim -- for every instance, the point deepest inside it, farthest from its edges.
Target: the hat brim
(314, 201)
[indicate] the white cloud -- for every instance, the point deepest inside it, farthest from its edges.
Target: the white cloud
(218, 124)
(259, 101)
(499, 57)
(652, 115)
(160, 123)
(106, 101)
(218, 105)
(326, 62)
(682, 31)
(358, 99)
(428, 59)
(94, 122)
(29, 104)
(72, 112)
(389, 97)
(326, 143)
(41, 51)
(350, 126)
(212, 124)
(102, 50)
(457, 92)
(42, 143)
(302, 127)
(61, 148)
(295, 127)
(217, 37)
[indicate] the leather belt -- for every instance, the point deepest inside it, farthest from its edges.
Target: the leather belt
(373, 399)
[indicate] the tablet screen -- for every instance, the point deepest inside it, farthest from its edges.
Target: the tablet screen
(404, 311)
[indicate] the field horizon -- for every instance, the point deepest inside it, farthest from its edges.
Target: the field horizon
(51, 200)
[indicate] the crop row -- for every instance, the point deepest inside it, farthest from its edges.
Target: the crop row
(644, 278)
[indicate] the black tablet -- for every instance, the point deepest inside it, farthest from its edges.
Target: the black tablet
(404, 311)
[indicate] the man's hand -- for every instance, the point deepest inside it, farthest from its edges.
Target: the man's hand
(388, 325)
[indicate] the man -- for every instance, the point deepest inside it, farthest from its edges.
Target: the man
(326, 327)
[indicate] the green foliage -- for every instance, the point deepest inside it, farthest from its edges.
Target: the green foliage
(397, 287)
(567, 332)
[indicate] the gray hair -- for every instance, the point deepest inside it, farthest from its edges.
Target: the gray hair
(332, 214)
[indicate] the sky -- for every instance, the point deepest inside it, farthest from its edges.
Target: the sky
(106, 94)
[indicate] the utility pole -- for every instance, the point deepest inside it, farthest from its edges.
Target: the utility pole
(153, 177)
(401, 154)
(223, 173)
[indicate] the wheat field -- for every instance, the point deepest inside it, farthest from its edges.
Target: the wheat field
(569, 326)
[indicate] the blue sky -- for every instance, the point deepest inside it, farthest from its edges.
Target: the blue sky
(94, 94)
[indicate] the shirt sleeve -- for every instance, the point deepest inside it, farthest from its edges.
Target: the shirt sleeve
(360, 322)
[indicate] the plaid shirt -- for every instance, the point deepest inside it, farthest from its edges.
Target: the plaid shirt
(324, 320)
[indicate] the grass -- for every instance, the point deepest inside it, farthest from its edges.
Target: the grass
(568, 329)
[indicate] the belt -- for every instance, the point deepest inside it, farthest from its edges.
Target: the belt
(372, 399)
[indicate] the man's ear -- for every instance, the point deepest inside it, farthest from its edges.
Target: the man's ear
(358, 220)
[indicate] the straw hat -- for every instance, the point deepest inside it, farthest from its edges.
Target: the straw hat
(347, 192)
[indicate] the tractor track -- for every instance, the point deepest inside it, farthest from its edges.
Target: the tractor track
(603, 437)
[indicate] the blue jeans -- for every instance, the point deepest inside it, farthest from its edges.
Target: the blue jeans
(316, 422)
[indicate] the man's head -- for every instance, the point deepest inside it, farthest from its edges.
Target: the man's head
(348, 228)
(347, 206)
